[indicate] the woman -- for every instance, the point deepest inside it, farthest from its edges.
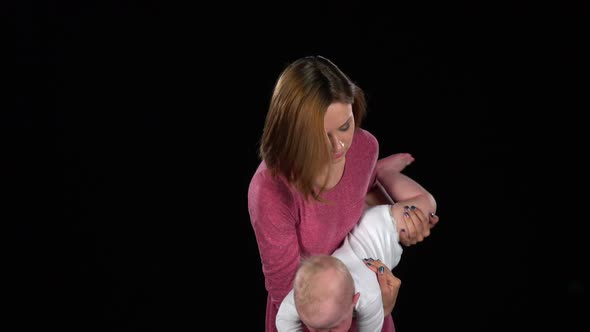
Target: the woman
(319, 170)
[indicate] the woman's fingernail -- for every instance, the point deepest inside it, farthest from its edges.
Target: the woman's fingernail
(381, 269)
(406, 214)
(431, 214)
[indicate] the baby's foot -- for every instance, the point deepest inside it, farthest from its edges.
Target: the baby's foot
(396, 162)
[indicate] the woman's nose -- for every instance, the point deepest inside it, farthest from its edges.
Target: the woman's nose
(337, 144)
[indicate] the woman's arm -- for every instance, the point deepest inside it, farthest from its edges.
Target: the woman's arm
(274, 223)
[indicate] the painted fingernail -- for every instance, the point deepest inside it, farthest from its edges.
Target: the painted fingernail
(407, 208)
(381, 269)
(406, 214)
(413, 207)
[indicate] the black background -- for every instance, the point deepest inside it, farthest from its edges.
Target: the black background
(137, 133)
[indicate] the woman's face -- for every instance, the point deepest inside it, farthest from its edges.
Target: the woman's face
(339, 127)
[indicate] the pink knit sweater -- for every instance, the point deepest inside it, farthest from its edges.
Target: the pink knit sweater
(287, 227)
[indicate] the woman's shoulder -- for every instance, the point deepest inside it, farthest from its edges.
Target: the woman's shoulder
(264, 183)
(365, 143)
(365, 138)
(268, 193)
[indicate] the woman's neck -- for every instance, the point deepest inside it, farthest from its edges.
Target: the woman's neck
(332, 175)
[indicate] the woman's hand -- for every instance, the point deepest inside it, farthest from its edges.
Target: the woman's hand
(388, 283)
(412, 224)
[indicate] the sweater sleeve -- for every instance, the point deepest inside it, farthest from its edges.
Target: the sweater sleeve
(274, 221)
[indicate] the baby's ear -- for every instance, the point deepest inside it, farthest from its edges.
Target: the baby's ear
(355, 298)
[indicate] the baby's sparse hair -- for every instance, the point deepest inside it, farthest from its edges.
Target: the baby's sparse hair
(323, 289)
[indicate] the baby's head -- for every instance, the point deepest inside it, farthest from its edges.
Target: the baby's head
(324, 294)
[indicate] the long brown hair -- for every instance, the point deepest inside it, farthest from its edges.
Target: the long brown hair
(294, 143)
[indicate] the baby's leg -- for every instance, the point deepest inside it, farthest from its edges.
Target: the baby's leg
(394, 163)
(377, 196)
(397, 161)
